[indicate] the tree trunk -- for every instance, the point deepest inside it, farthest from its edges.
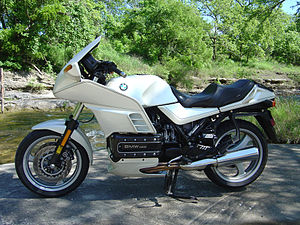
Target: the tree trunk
(214, 48)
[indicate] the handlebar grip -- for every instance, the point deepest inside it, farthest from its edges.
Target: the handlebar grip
(121, 73)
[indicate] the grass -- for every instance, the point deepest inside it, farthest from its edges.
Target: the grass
(287, 118)
(252, 69)
(128, 64)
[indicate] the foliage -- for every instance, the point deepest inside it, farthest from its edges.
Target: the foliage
(130, 64)
(164, 31)
(173, 38)
(287, 46)
(247, 29)
(46, 32)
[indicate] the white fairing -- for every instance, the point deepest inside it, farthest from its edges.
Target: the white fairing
(74, 75)
(83, 52)
(256, 95)
(116, 113)
(180, 115)
(148, 90)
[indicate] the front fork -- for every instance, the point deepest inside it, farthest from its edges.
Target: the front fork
(71, 124)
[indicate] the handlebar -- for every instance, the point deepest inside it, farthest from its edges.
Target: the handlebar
(99, 69)
(119, 72)
(109, 67)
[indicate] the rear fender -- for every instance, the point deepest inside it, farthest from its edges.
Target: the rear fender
(266, 121)
(263, 117)
(77, 135)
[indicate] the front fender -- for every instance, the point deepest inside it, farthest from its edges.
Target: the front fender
(77, 135)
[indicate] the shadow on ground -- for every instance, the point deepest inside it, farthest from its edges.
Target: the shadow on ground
(107, 199)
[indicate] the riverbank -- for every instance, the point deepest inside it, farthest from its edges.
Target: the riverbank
(31, 91)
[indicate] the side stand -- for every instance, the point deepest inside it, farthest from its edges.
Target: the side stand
(170, 184)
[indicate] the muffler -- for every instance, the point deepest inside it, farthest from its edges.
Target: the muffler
(229, 158)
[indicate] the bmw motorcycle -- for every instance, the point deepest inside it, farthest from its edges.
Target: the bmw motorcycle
(151, 130)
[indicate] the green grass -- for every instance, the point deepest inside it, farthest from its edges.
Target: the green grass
(287, 118)
(252, 69)
(128, 64)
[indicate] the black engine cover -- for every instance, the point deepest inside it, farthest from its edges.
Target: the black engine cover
(134, 146)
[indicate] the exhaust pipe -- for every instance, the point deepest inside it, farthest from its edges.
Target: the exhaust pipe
(229, 158)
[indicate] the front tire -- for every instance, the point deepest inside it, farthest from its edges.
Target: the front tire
(33, 169)
(242, 173)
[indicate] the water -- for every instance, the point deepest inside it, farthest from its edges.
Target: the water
(15, 126)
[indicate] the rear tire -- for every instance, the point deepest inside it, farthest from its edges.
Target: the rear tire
(240, 174)
(33, 169)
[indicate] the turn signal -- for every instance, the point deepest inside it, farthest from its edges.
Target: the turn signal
(274, 103)
(69, 67)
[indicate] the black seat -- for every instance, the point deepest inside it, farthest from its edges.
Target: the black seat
(215, 95)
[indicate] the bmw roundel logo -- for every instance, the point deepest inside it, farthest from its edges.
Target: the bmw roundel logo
(123, 87)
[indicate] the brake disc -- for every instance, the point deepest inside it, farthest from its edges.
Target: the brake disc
(41, 164)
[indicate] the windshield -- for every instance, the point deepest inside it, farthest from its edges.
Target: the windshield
(85, 51)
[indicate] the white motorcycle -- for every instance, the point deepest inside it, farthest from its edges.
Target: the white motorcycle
(151, 129)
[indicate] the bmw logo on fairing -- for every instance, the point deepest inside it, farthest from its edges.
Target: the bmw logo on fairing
(123, 87)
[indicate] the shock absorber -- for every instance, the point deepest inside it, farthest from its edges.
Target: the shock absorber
(71, 125)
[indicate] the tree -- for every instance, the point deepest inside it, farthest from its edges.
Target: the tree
(242, 29)
(37, 31)
(287, 42)
(165, 31)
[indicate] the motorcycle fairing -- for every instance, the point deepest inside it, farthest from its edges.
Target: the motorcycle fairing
(180, 115)
(255, 96)
(65, 79)
(114, 111)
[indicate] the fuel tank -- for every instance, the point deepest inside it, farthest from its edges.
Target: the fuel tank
(148, 90)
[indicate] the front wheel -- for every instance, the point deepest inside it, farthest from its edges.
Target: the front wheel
(239, 174)
(33, 167)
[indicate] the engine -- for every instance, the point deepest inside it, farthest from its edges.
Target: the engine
(134, 146)
(170, 142)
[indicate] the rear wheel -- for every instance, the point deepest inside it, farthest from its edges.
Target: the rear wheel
(239, 174)
(33, 167)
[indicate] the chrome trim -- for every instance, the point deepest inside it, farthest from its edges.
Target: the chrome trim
(231, 157)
